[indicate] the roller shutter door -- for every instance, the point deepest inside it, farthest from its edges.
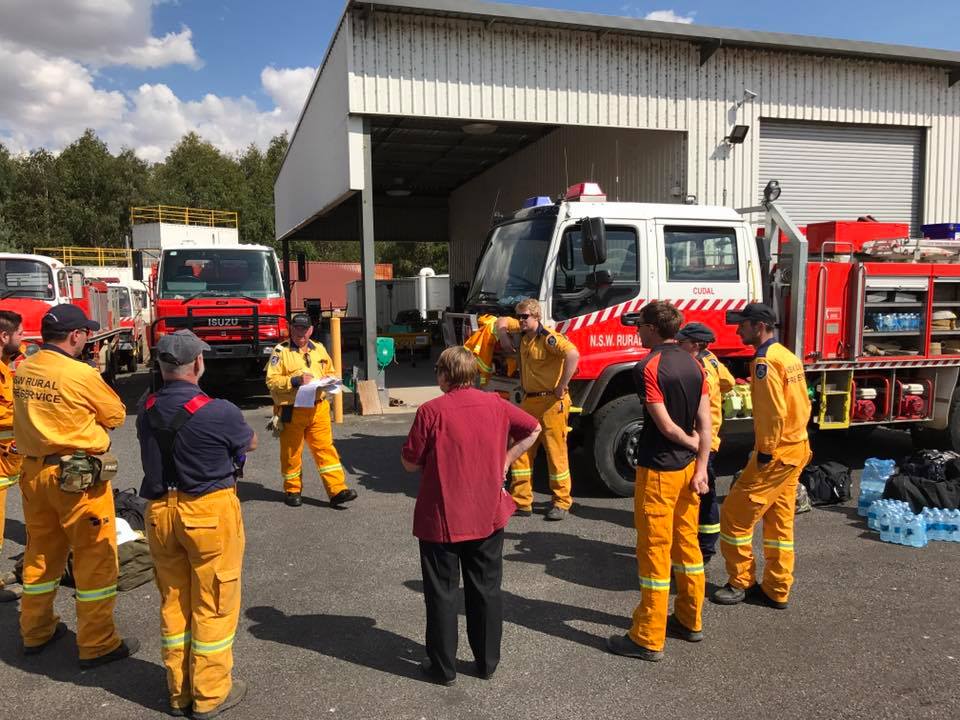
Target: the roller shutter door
(831, 171)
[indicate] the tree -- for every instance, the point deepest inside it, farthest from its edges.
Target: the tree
(197, 175)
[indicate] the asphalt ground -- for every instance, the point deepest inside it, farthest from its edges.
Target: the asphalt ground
(332, 620)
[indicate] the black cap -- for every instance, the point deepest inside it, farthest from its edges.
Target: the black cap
(64, 318)
(301, 320)
(757, 312)
(697, 332)
(180, 348)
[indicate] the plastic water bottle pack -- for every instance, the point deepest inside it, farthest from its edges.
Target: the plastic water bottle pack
(898, 524)
(876, 472)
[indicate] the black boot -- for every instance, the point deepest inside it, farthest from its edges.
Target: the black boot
(293, 500)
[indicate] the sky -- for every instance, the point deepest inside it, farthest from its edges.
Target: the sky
(142, 73)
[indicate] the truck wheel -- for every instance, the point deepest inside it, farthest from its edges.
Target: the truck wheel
(951, 436)
(110, 374)
(132, 362)
(616, 440)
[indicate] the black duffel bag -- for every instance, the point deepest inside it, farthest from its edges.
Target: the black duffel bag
(827, 483)
(923, 492)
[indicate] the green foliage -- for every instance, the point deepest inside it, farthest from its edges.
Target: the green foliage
(83, 196)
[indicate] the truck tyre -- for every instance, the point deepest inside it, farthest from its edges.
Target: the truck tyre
(952, 433)
(132, 362)
(616, 440)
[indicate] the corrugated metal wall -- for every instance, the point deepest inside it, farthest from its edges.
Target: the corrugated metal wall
(647, 163)
(436, 66)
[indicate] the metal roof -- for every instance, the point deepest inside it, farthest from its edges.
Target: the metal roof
(710, 38)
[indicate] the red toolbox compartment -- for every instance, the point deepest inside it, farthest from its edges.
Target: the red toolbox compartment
(846, 236)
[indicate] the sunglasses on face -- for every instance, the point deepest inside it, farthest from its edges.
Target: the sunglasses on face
(524, 316)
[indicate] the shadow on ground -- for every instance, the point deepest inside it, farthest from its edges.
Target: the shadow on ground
(577, 560)
(375, 461)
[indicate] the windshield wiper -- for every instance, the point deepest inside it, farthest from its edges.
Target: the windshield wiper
(203, 293)
(486, 295)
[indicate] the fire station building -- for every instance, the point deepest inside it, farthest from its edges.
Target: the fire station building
(429, 117)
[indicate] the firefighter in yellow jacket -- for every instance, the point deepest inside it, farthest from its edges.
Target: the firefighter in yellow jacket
(694, 338)
(62, 412)
(547, 362)
(11, 337)
(292, 365)
(767, 488)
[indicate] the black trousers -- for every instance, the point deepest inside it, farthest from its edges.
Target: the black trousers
(709, 529)
(481, 562)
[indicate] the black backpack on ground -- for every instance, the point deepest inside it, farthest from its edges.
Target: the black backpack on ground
(827, 483)
(923, 492)
(131, 507)
(931, 464)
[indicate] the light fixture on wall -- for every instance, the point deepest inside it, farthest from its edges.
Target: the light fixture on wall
(398, 189)
(737, 135)
(748, 95)
(479, 128)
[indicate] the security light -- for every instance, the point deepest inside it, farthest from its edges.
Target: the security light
(738, 134)
(772, 191)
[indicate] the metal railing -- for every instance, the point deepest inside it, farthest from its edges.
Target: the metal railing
(113, 257)
(182, 216)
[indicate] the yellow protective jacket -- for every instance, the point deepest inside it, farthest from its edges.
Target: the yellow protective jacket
(781, 406)
(719, 381)
(61, 404)
(288, 363)
(6, 396)
(541, 357)
(482, 344)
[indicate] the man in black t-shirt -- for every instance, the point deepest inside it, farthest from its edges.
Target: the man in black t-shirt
(671, 476)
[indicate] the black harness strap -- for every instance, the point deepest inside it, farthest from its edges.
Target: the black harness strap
(166, 435)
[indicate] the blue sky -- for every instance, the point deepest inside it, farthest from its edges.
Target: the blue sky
(142, 72)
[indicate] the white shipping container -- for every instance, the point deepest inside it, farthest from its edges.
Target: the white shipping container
(394, 296)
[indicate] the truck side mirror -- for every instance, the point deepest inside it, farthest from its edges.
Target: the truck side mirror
(301, 267)
(138, 265)
(594, 234)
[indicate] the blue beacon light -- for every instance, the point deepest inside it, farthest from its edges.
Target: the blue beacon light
(536, 201)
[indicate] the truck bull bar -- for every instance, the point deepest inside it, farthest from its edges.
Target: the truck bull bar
(251, 322)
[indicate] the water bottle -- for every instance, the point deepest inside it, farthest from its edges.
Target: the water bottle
(951, 531)
(873, 514)
(929, 517)
(884, 522)
(916, 531)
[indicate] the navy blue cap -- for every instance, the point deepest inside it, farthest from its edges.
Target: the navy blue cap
(66, 318)
(697, 332)
(301, 320)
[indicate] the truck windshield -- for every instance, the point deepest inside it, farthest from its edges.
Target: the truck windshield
(26, 279)
(221, 272)
(512, 267)
(123, 299)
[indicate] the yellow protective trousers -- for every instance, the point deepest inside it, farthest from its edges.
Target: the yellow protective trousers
(56, 522)
(313, 426)
(768, 493)
(553, 415)
(197, 545)
(666, 512)
(10, 464)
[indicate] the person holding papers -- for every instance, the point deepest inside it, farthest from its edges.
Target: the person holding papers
(294, 365)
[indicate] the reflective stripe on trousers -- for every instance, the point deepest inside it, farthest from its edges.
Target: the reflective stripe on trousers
(552, 414)
(310, 426)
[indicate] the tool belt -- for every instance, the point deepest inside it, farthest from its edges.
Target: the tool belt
(77, 473)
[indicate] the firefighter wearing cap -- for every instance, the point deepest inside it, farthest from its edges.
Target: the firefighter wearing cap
(11, 337)
(547, 362)
(291, 365)
(191, 447)
(695, 338)
(62, 413)
(767, 489)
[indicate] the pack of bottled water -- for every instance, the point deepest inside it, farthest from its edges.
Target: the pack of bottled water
(897, 523)
(876, 472)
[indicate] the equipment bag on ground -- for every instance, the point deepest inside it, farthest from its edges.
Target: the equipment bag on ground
(923, 492)
(827, 483)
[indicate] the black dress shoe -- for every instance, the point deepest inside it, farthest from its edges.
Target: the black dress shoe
(344, 496)
(293, 500)
(58, 632)
(433, 675)
(483, 673)
(125, 649)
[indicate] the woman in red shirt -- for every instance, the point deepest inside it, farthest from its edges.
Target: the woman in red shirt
(461, 443)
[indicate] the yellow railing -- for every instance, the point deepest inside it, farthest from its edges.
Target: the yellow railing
(182, 216)
(116, 257)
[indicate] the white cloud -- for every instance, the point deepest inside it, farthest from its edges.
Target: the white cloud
(97, 33)
(669, 16)
(50, 101)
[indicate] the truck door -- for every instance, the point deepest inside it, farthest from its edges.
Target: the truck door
(706, 268)
(587, 301)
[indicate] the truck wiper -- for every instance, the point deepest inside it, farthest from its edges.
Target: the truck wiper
(203, 293)
(485, 295)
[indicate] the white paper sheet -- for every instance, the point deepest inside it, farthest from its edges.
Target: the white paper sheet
(307, 394)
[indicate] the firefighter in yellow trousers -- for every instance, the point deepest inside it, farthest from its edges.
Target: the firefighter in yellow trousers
(11, 336)
(62, 411)
(192, 447)
(767, 489)
(547, 362)
(292, 365)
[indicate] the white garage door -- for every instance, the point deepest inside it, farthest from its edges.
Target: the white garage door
(831, 171)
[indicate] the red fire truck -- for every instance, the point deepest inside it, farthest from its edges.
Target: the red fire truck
(32, 284)
(870, 313)
(231, 296)
(136, 316)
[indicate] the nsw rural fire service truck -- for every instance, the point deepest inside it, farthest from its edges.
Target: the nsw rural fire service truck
(32, 284)
(202, 278)
(872, 314)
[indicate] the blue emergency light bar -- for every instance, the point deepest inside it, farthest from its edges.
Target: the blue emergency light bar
(536, 201)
